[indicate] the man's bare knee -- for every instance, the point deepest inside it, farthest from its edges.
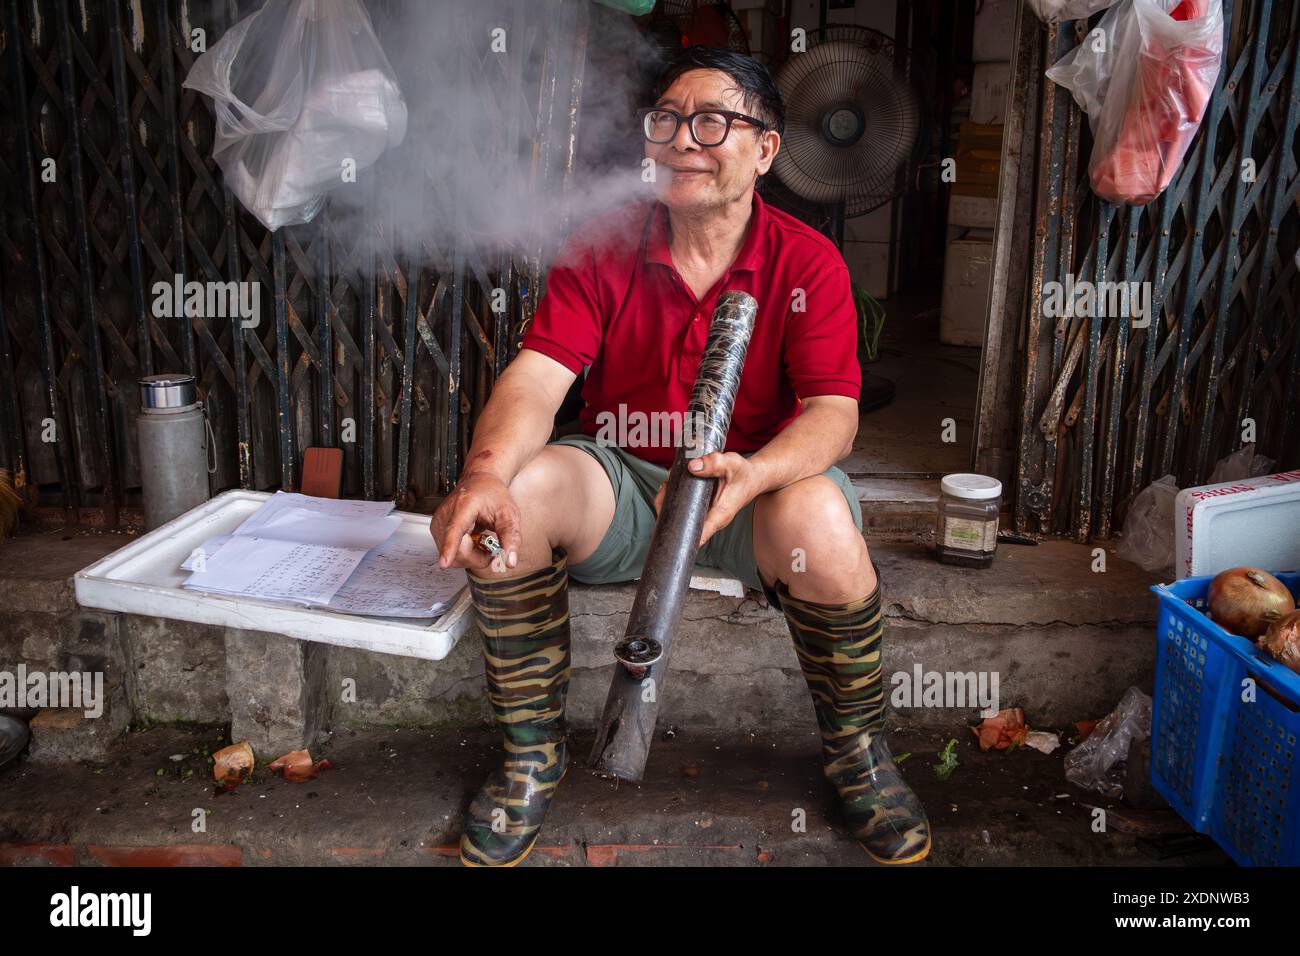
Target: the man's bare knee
(804, 534)
(539, 476)
(564, 496)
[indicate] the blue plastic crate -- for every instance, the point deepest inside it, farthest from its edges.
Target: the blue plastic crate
(1228, 766)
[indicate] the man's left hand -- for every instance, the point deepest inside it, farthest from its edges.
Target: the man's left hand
(739, 483)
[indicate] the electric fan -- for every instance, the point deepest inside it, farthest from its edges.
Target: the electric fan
(852, 122)
(853, 136)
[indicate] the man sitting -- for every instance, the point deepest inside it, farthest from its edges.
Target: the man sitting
(629, 299)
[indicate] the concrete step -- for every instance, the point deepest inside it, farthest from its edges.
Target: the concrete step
(397, 798)
(896, 507)
(1063, 642)
(36, 567)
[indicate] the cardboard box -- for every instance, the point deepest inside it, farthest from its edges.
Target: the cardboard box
(979, 160)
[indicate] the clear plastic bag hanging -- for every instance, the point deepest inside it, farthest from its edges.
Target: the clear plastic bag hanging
(1144, 76)
(304, 98)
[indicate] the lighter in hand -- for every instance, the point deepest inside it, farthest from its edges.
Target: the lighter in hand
(487, 542)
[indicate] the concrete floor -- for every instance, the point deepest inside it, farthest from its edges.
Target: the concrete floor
(933, 382)
(396, 798)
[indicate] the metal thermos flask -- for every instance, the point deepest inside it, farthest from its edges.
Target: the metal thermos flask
(173, 448)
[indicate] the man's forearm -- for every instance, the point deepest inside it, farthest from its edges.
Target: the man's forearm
(514, 426)
(816, 439)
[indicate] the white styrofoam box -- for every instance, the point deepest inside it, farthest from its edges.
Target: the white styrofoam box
(1255, 521)
(988, 94)
(977, 212)
(995, 31)
(966, 270)
(144, 577)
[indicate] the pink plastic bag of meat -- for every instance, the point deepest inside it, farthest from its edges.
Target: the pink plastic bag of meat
(1145, 77)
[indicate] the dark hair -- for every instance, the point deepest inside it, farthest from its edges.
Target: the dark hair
(758, 90)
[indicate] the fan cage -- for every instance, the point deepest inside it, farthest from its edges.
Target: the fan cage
(846, 67)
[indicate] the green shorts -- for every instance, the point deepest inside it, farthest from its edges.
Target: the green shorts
(620, 555)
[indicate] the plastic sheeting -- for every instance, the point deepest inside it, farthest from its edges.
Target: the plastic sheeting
(303, 97)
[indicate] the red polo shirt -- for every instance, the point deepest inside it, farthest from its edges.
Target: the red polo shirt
(615, 302)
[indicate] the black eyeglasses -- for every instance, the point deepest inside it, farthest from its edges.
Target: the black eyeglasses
(708, 127)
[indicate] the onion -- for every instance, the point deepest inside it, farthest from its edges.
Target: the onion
(1283, 641)
(1247, 601)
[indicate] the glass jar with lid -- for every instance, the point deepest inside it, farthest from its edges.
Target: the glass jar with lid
(966, 531)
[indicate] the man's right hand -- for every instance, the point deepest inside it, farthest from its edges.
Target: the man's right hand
(479, 500)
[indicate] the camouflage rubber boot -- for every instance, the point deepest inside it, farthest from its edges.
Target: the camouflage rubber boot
(525, 628)
(839, 652)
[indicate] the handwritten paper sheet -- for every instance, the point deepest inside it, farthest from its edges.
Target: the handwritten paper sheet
(400, 578)
(279, 570)
(340, 555)
(293, 548)
(303, 519)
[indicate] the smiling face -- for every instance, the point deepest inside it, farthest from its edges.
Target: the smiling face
(694, 178)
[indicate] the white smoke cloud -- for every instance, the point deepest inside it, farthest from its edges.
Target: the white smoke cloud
(455, 179)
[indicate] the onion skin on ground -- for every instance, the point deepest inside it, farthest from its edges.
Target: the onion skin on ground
(230, 765)
(1283, 641)
(297, 766)
(1247, 601)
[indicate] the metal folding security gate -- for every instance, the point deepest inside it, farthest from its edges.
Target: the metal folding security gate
(1107, 407)
(108, 187)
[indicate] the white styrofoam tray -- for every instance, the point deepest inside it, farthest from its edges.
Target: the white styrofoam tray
(1255, 521)
(144, 577)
